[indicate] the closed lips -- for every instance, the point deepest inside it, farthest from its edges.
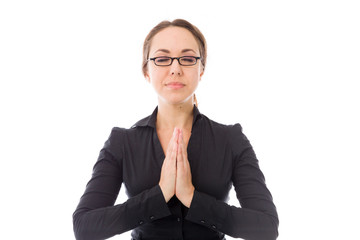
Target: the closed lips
(175, 83)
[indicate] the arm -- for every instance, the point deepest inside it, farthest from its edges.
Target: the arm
(96, 217)
(257, 218)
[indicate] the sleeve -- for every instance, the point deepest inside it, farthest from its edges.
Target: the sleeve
(96, 217)
(257, 217)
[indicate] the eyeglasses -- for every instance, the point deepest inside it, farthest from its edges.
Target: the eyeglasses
(167, 61)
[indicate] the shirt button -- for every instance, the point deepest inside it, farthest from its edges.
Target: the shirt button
(178, 219)
(152, 217)
(202, 221)
(213, 226)
(141, 222)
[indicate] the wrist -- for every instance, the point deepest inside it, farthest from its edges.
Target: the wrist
(166, 195)
(188, 199)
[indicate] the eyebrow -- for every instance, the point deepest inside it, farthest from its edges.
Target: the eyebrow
(162, 50)
(188, 50)
(182, 51)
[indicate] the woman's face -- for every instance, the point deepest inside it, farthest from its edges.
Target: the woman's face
(174, 84)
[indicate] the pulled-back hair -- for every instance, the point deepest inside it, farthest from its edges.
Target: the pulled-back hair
(176, 23)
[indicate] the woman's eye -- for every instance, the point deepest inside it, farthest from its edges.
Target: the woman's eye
(161, 60)
(188, 59)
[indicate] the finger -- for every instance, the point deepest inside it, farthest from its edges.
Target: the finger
(183, 146)
(174, 147)
(174, 150)
(180, 147)
(177, 133)
(171, 143)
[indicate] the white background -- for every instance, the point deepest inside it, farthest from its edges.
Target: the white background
(288, 71)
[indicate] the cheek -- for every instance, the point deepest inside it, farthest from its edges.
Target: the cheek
(198, 70)
(157, 76)
(152, 73)
(196, 74)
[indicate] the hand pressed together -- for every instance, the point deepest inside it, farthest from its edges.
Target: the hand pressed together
(175, 176)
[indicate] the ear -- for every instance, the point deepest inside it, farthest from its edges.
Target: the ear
(147, 77)
(202, 73)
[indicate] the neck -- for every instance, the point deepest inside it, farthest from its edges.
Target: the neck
(170, 116)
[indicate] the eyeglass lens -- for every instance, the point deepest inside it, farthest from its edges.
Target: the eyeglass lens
(165, 61)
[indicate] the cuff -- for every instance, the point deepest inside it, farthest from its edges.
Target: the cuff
(151, 206)
(206, 211)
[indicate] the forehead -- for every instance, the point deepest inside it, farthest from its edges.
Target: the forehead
(174, 39)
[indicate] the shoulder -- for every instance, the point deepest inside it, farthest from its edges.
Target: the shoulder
(232, 134)
(119, 134)
(128, 136)
(116, 133)
(220, 127)
(142, 122)
(114, 143)
(120, 139)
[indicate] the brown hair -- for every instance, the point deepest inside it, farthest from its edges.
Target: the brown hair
(176, 23)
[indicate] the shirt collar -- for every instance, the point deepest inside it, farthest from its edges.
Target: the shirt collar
(151, 120)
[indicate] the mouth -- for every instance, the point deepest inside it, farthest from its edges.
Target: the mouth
(175, 85)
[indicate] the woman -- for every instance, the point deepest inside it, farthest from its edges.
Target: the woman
(177, 165)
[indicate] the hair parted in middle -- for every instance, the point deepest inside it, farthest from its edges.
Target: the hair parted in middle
(199, 37)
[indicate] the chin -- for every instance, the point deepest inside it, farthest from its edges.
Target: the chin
(176, 101)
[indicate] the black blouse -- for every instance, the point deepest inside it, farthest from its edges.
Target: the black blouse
(219, 155)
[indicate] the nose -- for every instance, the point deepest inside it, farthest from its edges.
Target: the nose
(175, 68)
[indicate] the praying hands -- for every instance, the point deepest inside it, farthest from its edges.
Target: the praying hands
(175, 176)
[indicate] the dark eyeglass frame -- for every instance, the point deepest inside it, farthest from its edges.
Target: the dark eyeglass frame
(172, 59)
